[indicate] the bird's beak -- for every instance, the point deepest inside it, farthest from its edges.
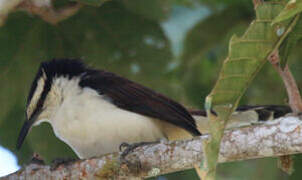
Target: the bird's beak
(25, 128)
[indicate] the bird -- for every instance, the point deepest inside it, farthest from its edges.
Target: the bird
(95, 111)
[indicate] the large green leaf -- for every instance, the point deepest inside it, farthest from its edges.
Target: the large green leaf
(292, 8)
(247, 54)
(109, 37)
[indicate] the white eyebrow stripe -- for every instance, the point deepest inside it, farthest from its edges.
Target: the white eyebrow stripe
(36, 96)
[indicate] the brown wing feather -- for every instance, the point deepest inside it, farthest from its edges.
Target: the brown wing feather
(139, 99)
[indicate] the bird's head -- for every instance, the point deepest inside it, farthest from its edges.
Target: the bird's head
(47, 91)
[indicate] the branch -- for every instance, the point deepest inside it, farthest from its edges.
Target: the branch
(42, 8)
(273, 138)
(295, 101)
(288, 79)
(6, 7)
(292, 89)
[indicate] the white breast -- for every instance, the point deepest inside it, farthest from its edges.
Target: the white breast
(93, 126)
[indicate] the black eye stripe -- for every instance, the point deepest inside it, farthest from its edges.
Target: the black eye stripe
(34, 86)
(42, 98)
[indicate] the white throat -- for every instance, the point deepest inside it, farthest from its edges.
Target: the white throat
(62, 88)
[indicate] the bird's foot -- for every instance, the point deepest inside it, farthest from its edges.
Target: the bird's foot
(127, 148)
(60, 161)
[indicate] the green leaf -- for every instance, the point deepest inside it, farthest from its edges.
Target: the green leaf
(92, 2)
(292, 8)
(290, 42)
(109, 37)
(247, 55)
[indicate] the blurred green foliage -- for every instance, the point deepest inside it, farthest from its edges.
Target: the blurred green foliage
(126, 37)
(92, 2)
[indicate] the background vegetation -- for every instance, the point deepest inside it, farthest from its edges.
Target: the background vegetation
(143, 41)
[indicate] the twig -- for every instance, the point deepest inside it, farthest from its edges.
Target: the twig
(287, 77)
(291, 88)
(275, 138)
(6, 7)
(257, 3)
(285, 162)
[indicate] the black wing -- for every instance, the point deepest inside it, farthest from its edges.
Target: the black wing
(133, 97)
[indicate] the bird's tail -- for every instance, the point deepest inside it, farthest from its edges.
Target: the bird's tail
(243, 116)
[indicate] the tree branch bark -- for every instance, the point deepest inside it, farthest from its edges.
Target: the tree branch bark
(289, 81)
(273, 138)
